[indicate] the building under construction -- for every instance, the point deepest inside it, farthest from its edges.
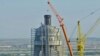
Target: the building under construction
(46, 40)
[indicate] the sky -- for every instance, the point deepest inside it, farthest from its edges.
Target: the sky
(17, 17)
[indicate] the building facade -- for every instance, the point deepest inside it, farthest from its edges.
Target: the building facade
(46, 40)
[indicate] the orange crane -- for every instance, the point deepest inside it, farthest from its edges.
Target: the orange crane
(61, 22)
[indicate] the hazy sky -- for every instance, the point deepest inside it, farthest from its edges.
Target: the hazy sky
(18, 16)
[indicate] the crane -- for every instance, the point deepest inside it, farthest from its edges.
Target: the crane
(61, 22)
(81, 38)
(80, 41)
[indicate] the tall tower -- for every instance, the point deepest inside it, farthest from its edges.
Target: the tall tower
(47, 39)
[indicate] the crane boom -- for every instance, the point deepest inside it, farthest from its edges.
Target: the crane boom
(61, 22)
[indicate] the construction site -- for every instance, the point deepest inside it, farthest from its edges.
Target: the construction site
(47, 39)
(51, 40)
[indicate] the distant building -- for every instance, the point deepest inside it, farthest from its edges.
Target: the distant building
(46, 40)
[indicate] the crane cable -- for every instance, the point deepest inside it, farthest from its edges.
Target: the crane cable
(93, 27)
(90, 14)
(72, 33)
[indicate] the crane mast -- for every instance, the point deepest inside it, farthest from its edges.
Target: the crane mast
(81, 38)
(61, 22)
(80, 41)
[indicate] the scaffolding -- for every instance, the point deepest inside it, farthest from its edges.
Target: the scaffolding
(45, 41)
